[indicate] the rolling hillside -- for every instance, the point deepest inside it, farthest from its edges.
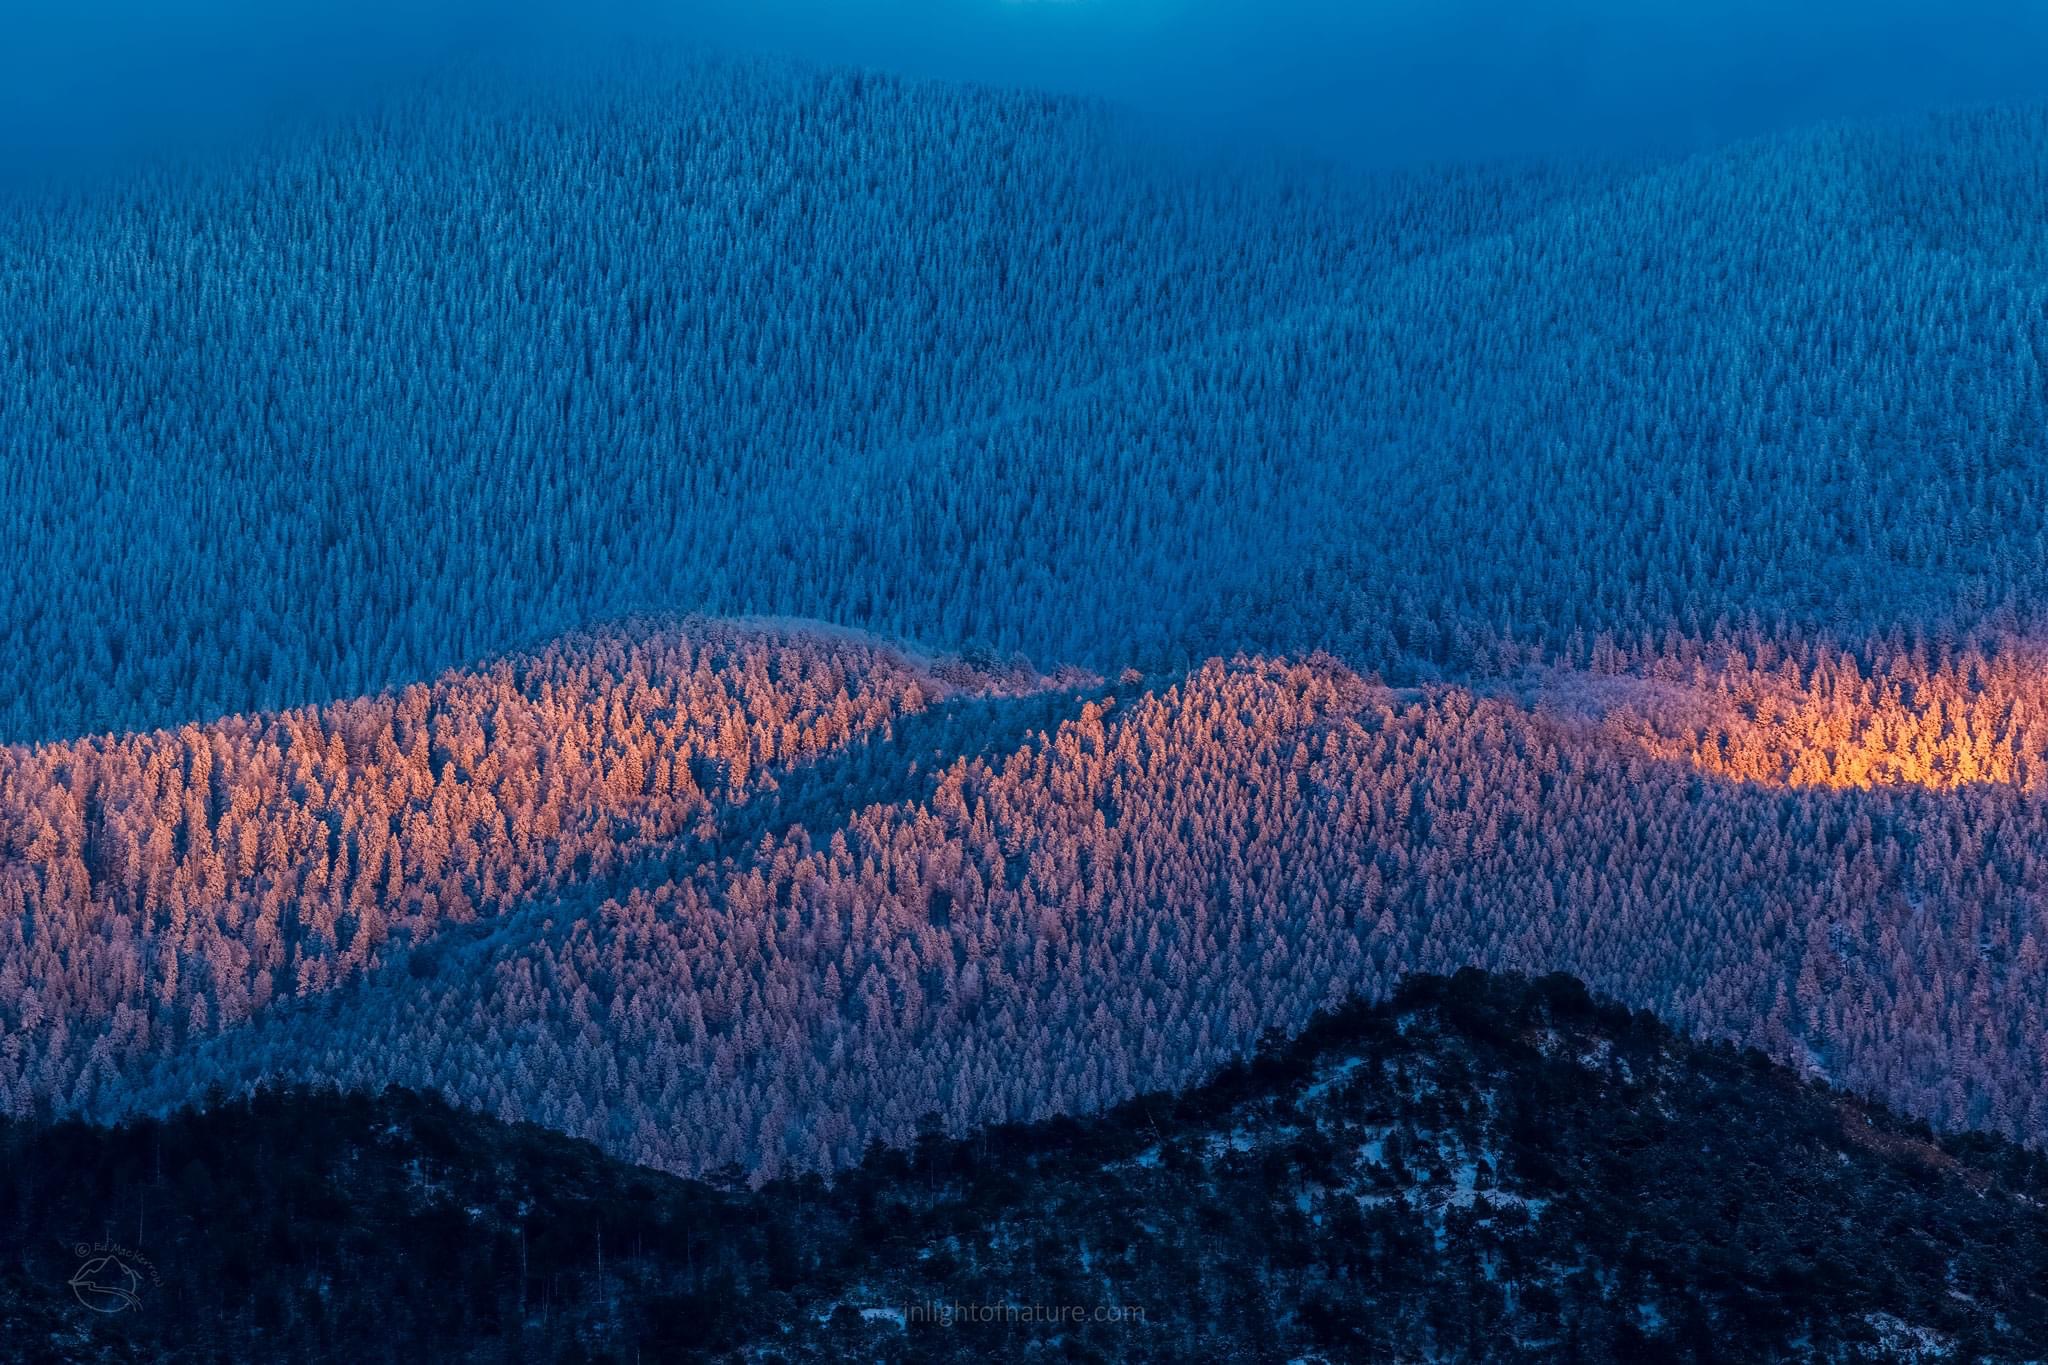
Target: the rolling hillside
(761, 896)
(828, 633)
(1480, 1169)
(505, 357)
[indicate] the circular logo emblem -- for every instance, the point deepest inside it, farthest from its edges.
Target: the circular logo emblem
(106, 1284)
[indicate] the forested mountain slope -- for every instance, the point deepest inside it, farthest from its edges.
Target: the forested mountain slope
(1135, 892)
(503, 357)
(1632, 571)
(1482, 1169)
(157, 887)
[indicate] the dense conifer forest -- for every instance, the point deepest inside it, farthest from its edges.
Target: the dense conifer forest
(1484, 1168)
(766, 618)
(501, 358)
(1134, 892)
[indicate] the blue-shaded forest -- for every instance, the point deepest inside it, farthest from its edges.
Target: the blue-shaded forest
(1231, 580)
(501, 356)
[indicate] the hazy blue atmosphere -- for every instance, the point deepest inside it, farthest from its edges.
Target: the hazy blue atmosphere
(1386, 82)
(1395, 81)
